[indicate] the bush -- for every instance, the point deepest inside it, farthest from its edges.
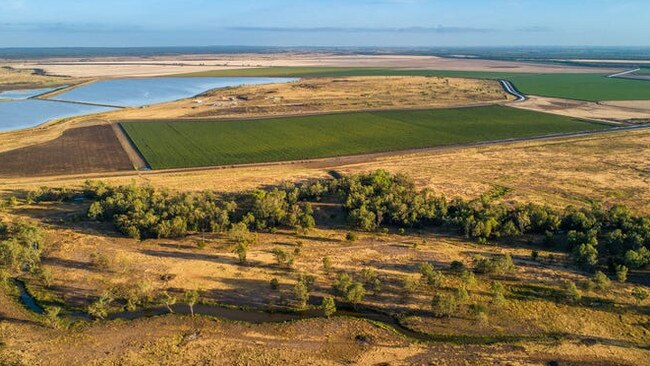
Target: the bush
(639, 294)
(329, 306)
(571, 292)
(601, 280)
(283, 257)
(621, 273)
(351, 236)
(498, 265)
(275, 284)
(443, 305)
(431, 276)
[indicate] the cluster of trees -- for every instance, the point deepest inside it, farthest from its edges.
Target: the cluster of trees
(21, 244)
(379, 199)
(145, 212)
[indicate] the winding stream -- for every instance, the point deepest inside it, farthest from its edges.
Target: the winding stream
(242, 315)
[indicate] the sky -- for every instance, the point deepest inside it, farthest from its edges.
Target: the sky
(343, 23)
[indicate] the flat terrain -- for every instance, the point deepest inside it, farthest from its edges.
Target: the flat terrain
(16, 79)
(78, 150)
(318, 95)
(610, 168)
(169, 144)
(583, 86)
(166, 65)
(630, 111)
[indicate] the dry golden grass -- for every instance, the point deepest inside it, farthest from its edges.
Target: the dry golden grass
(326, 95)
(610, 168)
(310, 96)
(12, 79)
(587, 334)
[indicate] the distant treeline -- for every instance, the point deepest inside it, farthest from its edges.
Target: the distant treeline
(373, 202)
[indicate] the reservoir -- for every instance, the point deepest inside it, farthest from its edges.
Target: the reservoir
(18, 111)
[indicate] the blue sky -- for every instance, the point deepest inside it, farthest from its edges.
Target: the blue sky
(117, 23)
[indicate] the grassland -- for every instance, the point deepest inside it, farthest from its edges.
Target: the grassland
(536, 325)
(14, 79)
(591, 87)
(169, 144)
(323, 95)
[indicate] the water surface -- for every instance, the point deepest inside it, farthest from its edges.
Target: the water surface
(20, 114)
(25, 94)
(139, 92)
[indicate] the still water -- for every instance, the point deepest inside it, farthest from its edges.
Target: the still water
(20, 112)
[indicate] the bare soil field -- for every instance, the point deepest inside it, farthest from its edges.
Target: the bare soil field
(166, 65)
(607, 110)
(309, 96)
(77, 150)
(326, 95)
(610, 168)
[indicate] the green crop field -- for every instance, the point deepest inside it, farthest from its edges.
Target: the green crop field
(178, 144)
(591, 87)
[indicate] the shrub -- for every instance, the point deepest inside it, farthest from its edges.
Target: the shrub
(355, 293)
(571, 292)
(351, 236)
(601, 280)
(329, 306)
(283, 257)
(495, 265)
(431, 276)
(621, 273)
(327, 265)
(275, 284)
(301, 294)
(443, 305)
(456, 266)
(639, 294)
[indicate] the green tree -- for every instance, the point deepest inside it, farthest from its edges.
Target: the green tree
(191, 297)
(283, 257)
(301, 294)
(431, 276)
(241, 249)
(355, 294)
(168, 300)
(342, 283)
(443, 305)
(621, 273)
(328, 305)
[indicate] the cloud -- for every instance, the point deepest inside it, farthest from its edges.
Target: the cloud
(438, 29)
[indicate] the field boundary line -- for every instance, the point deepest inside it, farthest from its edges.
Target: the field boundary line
(339, 160)
(137, 159)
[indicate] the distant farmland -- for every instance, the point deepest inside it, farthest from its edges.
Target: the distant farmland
(591, 87)
(178, 144)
